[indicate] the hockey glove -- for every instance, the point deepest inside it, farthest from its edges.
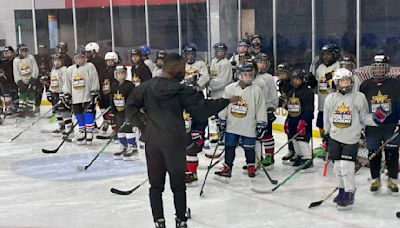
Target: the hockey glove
(379, 115)
(94, 95)
(221, 125)
(260, 129)
(286, 126)
(271, 116)
(301, 128)
(325, 140)
(49, 97)
(22, 87)
(67, 100)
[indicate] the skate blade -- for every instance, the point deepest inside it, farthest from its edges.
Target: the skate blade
(80, 168)
(341, 208)
(261, 191)
(192, 184)
(117, 157)
(288, 163)
(224, 180)
(376, 192)
(307, 171)
(395, 194)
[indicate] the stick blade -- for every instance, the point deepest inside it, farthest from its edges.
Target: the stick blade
(120, 192)
(274, 182)
(81, 168)
(315, 204)
(261, 191)
(49, 151)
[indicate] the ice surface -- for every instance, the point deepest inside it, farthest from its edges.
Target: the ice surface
(46, 190)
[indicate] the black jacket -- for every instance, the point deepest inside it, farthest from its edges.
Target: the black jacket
(142, 71)
(164, 101)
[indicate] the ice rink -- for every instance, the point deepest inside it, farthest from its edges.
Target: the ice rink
(46, 190)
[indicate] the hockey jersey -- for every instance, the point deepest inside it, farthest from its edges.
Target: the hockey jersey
(196, 73)
(324, 77)
(220, 76)
(268, 87)
(140, 73)
(346, 115)
(80, 81)
(385, 94)
(57, 78)
(120, 93)
(243, 116)
(25, 69)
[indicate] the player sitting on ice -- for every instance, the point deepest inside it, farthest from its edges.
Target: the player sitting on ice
(245, 120)
(82, 84)
(299, 120)
(57, 79)
(345, 115)
(120, 91)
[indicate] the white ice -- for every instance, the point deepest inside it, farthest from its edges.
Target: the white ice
(46, 190)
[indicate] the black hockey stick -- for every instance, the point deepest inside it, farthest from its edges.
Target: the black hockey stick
(33, 123)
(398, 214)
(284, 180)
(121, 192)
(274, 182)
(376, 152)
(65, 138)
(84, 168)
(291, 139)
(210, 165)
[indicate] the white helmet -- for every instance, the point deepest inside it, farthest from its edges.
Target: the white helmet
(92, 46)
(111, 55)
(342, 73)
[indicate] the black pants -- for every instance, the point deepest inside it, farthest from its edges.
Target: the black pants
(161, 160)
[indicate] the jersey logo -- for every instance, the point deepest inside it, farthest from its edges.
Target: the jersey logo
(383, 101)
(239, 110)
(54, 82)
(294, 106)
(106, 86)
(119, 101)
(342, 116)
(326, 84)
(78, 82)
(136, 80)
(25, 70)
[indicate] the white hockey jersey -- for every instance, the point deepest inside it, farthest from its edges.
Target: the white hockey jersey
(221, 76)
(25, 69)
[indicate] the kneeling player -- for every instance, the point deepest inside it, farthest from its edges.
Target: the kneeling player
(245, 120)
(345, 115)
(120, 91)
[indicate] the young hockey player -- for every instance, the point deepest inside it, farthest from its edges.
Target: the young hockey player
(82, 84)
(284, 72)
(240, 57)
(160, 55)
(383, 92)
(7, 80)
(345, 115)
(220, 71)
(196, 70)
(44, 63)
(25, 76)
(140, 71)
(107, 80)
(145, 52)
(120, 92)
(257, 47)
(62, 49)
(329, 56)
(57, 78)
(165, 135)
(245, 120)
(92, 56)
(299, 120)
(267, 84)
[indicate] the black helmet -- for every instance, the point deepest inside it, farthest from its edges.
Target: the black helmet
(261, 57)
(244, 42)
(8, 48)
(284, 67)
(189, 48)
(56, 56)
(80, 51)
(333, 49)
(161, 54)
(298, 74)
(347, 62)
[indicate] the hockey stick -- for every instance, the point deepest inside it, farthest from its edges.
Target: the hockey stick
(33, 123)
(376, 152)
(84, 168)
(398, 214)
(121, 192)
(72, 130)
(274, 182)
(209, 166)
(290, 140)
(284, 180)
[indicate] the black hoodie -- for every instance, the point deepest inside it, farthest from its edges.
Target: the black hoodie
(164, 101)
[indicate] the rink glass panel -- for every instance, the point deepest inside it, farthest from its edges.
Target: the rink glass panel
(53, 26)
(93, 24)
(294, 32)
(129, 29)
(163, 27)
(336, 23)
(380, 30)
(194, 26)
(23, 25)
